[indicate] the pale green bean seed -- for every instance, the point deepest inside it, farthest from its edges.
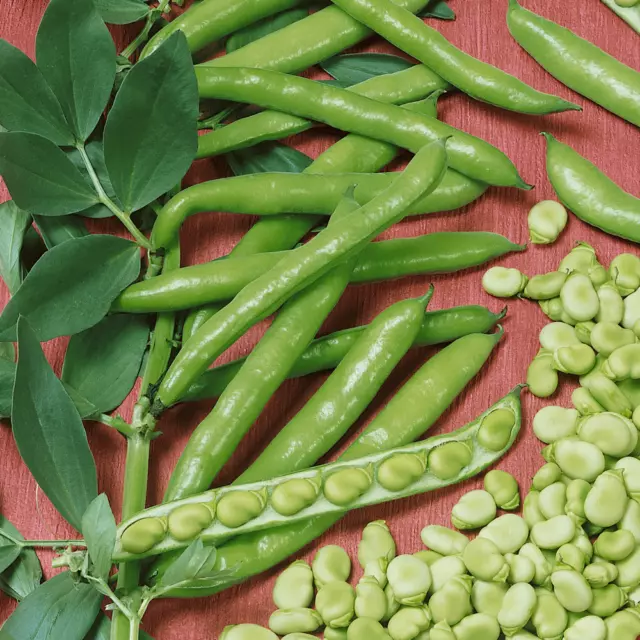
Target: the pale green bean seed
(623, 363)
(443, 540)
(598, 275)
(611, 304)
(365, 629)
(409, 622)
(557, 334)
(335, 602)
(331, 564)
(635, 417)
(452, 603)
(612, 434)
(239, 507)
(587, 628)
(392, 604)
(444, 569)
(294, 586)
(503, 283)
(299, 620)
(549, 618)
(552, 534)
(636, 328)
(428, 557)
(521, 569)
(578, 359)
(583, 331)
(629, 570)
(495, 429)
(607, 393)
(371, 601)
(399, 471)
(623, 625)
(579, 297)
(503, 487)
(441, 631)
(546, 220)
(576, 458)
(484, 560)
(633, 596)
(345, 486)
(299, 636)
(293, 496)
(631, 520)
(624, 270)
(247, 632)
(478, 626)
(542, 566)
(377, 542)
(582, 258)
(531, 509)
(553, 423)
(577, 492)
(607, 501)
(631, 310)
(448, 460)
(631, 475)
(553, 500)
(582, 541)
(607, 600)
(189, 520)
(545, 286)
(585, 403)
(571, 556)
(546, 476)
(487, 597)
(377, 569)
(517, 608)
(615, 546)
(410, 579)
(600, 574)
(524, 635)
(572, 590)
(552, 308)
(143, 534)
(474, 510)
(509, 532)
(542, 377)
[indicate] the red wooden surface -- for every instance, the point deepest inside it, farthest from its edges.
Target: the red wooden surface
(608, 141)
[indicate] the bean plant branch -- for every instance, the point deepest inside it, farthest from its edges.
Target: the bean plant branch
(143, 36)
(44, 544)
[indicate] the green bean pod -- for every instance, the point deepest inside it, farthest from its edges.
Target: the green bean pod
(577, 63)
(590, 194)
(348, 111)
(630, 14)
(375, 493)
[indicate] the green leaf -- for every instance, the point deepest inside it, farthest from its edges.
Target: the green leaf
(33, 248)
(76, 55)
(195, 561)
(14, 223)
(41, 178)
(7, 351)
(49, 432)
(267, 157)
(7, 378)
(102, 363)
(26, 100)
(99, 532)
(151, 135)
(55, 231)
(264, 27)
(9, 552)
(121, 11)
(438, 9)
(25, 574)
(72, 286)
(59, 609)
(353, 68)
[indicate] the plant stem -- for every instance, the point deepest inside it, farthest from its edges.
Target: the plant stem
(124, 217)
(117, 423)
(143, 36)
(52, 544)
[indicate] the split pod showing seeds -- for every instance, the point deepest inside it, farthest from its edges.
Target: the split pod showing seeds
(342, 485)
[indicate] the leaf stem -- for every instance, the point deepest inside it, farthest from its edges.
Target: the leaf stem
(52, 544)
(124, 217)
(143, 36)
(117, 423)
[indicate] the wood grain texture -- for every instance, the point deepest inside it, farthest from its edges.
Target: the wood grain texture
(606, 140)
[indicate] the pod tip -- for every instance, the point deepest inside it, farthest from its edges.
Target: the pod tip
(426, 297)
(521, 184)
(503, 312)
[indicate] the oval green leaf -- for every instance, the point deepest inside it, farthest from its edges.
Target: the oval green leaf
(49, 432)
(353, 68)
(76, 55)
(26, 100)
(264, 27)
(122, 11)
(268, 157)
(151, 135)
(9, 552)
(99, 532)
(41, 178)
(55, 231)
(59, 609)
(438, 9)
(72, 286)
(24, 575)
(14, 223)
(102, 363)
